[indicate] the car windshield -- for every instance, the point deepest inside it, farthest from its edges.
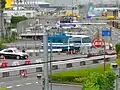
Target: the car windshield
(16, 51)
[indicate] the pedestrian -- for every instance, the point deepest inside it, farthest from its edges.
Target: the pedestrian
(23, 50)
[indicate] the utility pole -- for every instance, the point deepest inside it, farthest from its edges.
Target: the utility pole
(1, 19)
(72, 7)
(50, 65)
(45, 48)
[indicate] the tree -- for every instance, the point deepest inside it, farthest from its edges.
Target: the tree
(3, 2)
(118, 63)
(99, 81)
(117, 48)
(16, 19)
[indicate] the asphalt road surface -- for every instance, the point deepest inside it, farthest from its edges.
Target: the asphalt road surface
(55, 56)
(32, 83)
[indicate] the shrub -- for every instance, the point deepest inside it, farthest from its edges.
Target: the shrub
(76, 76)
(100, 81)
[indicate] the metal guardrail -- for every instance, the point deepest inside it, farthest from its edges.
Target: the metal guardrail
(85, 61)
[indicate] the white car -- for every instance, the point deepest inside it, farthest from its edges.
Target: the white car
(11, 53)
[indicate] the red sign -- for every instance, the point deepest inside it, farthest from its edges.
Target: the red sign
(97, 43)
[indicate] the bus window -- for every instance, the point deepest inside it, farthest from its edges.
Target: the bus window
(76, 40)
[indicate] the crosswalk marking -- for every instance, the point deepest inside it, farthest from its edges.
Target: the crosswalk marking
(9, 87)
(28, 83)
(18, 85)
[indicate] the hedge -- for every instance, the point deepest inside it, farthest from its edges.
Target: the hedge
(100, 81)
(77, 76)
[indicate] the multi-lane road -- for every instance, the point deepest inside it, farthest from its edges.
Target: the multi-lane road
(55, 57)
(32, 83)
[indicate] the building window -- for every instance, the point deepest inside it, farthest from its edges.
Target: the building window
(54, 67)
(69, 65)
(39, 69)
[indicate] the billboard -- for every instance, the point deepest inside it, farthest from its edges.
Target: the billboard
(8, 3)
(96, 11)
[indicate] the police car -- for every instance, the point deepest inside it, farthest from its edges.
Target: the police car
(11, 53)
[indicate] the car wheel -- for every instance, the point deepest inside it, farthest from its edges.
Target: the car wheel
(17, 57)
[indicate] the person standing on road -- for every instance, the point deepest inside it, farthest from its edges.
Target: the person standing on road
(23, 49)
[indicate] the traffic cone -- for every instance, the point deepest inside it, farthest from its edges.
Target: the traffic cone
(27, 61)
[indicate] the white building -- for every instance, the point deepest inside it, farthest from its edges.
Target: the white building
(26, 13)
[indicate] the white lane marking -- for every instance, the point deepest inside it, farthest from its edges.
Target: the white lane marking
(9, 87)
(28, 83)
(18, 85)
(36, 82)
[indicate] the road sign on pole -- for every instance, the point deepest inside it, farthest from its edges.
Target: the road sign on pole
(106, 33)
(97, 43)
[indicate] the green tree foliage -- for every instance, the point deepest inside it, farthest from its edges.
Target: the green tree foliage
(99, 81)
(16, 19)
(3, 2)
(118, 62)
(117, 46)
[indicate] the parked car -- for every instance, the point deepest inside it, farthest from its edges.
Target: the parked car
(11, 53)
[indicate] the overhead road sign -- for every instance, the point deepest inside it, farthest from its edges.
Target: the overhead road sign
(106, 33)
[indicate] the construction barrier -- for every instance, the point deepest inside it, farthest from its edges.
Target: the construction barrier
(56, 66)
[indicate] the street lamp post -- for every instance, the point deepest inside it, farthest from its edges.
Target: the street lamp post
(45, 48)
(50, 64)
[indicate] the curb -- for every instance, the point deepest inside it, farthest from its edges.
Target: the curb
(58, 84)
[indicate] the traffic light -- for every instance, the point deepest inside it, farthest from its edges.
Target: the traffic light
(3, 2)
